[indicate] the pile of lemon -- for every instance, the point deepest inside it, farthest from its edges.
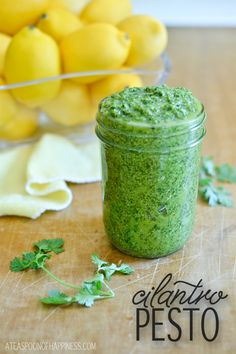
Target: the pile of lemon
(45, 38)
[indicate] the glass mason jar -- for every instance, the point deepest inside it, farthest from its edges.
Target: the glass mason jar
(150, 183)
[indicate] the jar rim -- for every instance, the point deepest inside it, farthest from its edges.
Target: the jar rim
(156, 129)
(167, 139)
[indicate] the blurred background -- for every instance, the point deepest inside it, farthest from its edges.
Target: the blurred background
(199, 33)
(190, 13)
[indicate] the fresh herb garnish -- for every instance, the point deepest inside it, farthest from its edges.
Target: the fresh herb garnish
(210, 174)
(29, 260)
(208, 166)
(91, 289)
(37, 259)
(53, 245)
(55, 297)
(226, 173)
(216, 195)
(109, 270)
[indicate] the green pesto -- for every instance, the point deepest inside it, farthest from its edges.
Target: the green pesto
(150, 162)
(150, 105)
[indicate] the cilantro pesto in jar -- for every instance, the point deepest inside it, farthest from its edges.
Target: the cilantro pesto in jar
(150, 143)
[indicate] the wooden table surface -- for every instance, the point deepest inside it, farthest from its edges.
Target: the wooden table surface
(203, 60)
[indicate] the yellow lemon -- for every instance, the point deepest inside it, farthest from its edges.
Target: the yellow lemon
(16, 14)
(98, 46)
(148, 38)
(72, 5)
(32, 55)
(109, 11)
(71, 106)
(22, 125)
(58, 23)
(55, 4)
(112, 84)
(4, 43)
(8, 106)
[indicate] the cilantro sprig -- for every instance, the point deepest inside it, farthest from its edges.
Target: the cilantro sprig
(90, 290)
(37, 260)
(210, 175)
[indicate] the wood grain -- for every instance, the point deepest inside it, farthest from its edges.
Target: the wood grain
(203, 60)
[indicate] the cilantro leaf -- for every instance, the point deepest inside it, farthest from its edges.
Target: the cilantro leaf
(226, 173)
(56, 297)
(85, 298)
(224, 197)
(109, 270)
(99, 262)
(94, 284)
(216, 195)
(206, 181)
(125, 269)
(209, 175)
(208, 166)
(36, 260)
(51, 245)
(92, 290)
(29, 260)
(18, 264)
